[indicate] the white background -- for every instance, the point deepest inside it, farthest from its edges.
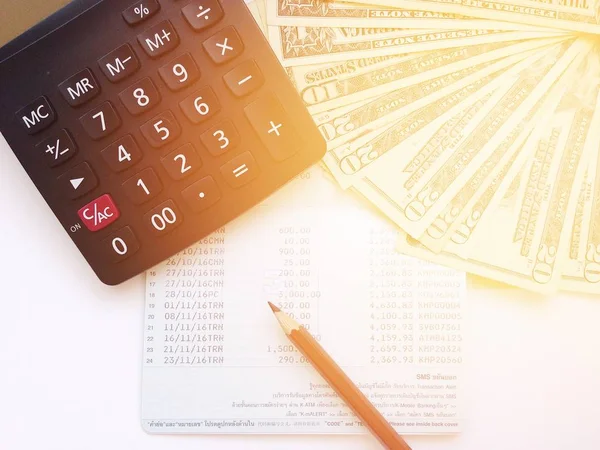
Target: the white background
(70, 356)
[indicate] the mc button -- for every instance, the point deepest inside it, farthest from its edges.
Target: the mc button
(36, 116)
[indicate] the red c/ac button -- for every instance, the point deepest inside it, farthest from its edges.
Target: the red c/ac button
(99, 213)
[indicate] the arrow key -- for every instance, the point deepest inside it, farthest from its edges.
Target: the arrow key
(78, 181)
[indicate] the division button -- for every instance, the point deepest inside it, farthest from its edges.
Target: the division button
(120, 245)
(57, 149)
(240, 170)
(140, 11)
(78, 181)
(119, 64)
(274, 127)
(202, 14)
(99, 213)
(244, 79)
(202, 194)
(158, 40)
(224, 46)
(80, 88)
(36, 116)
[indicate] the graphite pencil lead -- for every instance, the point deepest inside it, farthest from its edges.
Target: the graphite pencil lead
(273, 307)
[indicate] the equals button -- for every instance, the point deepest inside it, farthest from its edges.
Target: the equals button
(240, 170)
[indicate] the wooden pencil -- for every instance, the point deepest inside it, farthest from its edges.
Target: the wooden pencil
(340, 382)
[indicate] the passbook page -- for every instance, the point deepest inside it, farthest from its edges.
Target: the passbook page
(217, 361)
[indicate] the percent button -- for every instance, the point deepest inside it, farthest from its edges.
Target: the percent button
(140, 11)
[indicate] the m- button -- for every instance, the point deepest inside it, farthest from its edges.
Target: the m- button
(274, 127)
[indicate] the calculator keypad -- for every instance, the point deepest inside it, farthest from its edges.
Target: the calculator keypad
(164, 120)
(161, 130)
(201, 15)
(159, 40)
(200, 106)
(224, 46)
(164, 218)
(57, 149)
(140, 97)
(181, 162)
(78, 181)
(122, 154)
(180, 72)
(80, 88)
(36, 116)
(101, 121)
(119, 64)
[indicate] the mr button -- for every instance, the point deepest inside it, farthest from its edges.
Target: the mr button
(36, 116)
(80, 88)
(99, 213)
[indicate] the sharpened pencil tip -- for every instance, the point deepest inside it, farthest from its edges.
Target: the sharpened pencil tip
(273, 307)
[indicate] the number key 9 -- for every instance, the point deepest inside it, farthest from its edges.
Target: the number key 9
(179, 73)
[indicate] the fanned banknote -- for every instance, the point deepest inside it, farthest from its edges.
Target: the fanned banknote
(473, 126)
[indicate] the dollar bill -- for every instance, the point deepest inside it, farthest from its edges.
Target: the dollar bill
(572, 15)
(342, 125)
(421, 195)
(298, 45)
(328, 13)
(324, 87)
(454, 226)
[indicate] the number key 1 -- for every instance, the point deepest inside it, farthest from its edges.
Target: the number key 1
(143, 186)
(179, 73)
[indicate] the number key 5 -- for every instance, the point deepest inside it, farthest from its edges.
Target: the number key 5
(161, 130)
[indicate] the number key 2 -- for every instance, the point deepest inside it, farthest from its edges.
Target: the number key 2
(181, 162)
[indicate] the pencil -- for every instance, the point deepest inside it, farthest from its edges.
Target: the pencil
(339, 381)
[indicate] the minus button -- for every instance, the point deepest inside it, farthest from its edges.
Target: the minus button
(244, 79)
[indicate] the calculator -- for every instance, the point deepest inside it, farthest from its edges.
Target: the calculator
(148, 125)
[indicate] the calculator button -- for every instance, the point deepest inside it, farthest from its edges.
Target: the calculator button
(244, 79)
(202, 194)
(161, 130)
(120, 245)
(274, 127)
(140, 11)
(140, 97)
(224, 46)
(99, 213)
(164, 218)
(57, 149)
(37, 116)
(240, 170)
(202, 14)
(101, 121)
(142, 187)
(78, 181)
(201, 105)
(122, 154)
(80, 88)
(179, 73)
(119, 64)
(181, 162)
(220, 138)
(158, 40)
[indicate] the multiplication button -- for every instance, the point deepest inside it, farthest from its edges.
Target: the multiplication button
(224, 46)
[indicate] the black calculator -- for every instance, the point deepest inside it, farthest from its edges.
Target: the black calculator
(147, 125)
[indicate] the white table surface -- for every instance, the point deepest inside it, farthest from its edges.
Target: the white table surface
(70, 356)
